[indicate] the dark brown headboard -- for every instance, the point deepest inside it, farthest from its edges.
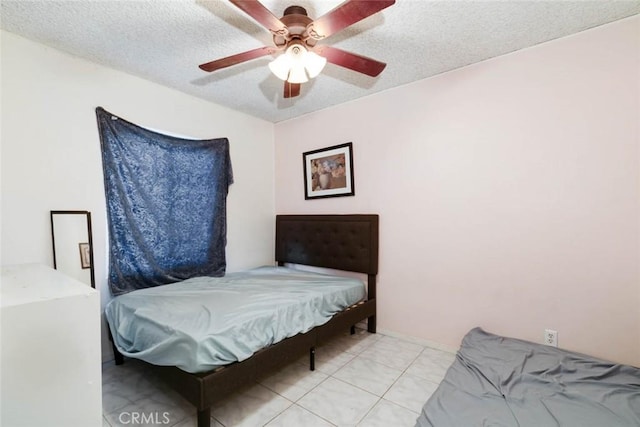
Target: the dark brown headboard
(342, 242)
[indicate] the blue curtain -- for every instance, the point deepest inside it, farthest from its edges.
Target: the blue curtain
(166, 204)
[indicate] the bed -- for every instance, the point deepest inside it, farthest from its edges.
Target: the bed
(340, 242)
(498, 381)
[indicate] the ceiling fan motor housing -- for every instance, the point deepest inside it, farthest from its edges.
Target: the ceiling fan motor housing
(297, 21)
(295, 10)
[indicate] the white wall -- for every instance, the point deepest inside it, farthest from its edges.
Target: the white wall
(51, 152)
(509, 193)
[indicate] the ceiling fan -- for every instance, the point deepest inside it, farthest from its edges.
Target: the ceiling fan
(296, 35)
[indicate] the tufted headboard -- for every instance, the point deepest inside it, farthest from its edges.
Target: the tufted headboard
(342, 242)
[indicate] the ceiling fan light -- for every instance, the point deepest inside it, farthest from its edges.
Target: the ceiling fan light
(314, 64)
(281, 66)
(296, 52)
(297, 74)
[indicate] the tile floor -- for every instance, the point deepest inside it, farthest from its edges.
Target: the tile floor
(360, 380)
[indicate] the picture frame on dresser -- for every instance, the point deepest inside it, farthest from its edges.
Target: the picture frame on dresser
(328, 172)
(85, 256)
(71, 232)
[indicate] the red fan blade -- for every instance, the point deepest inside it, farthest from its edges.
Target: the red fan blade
(257, 11)
(348, 13)
(291, 89)
(236, 59)
(349, 60)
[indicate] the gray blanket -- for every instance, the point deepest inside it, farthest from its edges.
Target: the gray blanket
(497, 381)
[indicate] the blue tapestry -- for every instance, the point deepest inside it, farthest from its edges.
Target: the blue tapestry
(166, 204)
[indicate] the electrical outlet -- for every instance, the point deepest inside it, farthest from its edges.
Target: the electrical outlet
(551, 337)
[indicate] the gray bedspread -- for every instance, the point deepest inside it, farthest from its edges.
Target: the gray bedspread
(206, 322)
(497, 381)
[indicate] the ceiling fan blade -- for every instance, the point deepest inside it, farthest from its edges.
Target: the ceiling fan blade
(346, 14)
(349, 60)
(257, 11)
(291, 89)
(237, 59)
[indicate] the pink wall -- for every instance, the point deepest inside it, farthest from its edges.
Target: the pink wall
(509, 193)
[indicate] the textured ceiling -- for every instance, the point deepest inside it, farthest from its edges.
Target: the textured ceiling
(165, 41)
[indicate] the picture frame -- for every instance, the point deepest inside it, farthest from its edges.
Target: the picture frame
(328, 172)
(85, 256)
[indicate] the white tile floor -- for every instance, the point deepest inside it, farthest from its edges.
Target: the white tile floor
(360, 380)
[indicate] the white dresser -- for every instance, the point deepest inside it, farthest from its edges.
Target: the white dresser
(50, 359)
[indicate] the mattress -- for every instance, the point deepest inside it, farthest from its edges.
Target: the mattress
(206, 322)
(497, 381)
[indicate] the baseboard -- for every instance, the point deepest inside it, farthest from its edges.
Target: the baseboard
(420, 341)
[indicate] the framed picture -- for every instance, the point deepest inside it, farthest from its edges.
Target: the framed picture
(85, 257)
(328, 172)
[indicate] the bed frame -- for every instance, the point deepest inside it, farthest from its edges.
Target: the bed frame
(341, 242)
